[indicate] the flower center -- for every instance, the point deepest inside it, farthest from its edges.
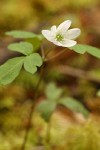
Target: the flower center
(59, 37)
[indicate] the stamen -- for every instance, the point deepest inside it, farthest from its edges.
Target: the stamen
(59, 37)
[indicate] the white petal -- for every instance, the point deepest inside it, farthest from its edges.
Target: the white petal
(63, 27)
(53, 28)
(68, 43)
(57, 43)
(73, 33)
(47, 34)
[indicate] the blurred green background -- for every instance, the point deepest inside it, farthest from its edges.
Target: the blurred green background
(80, 78)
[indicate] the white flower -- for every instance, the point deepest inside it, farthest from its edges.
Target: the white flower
(61, 36)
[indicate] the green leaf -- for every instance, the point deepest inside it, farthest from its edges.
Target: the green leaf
(46, 108)
(37, 60)
(25, 48)
(79, 48)
(93, 51)
(74, 105)
(29, 65)
(21, 34)
(52, 92)
(31, 62)
(10, 70)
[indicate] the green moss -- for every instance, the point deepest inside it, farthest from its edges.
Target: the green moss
(85, 137)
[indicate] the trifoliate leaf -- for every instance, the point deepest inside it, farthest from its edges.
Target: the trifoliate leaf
(31, 62)
(21, 34)
(46, 108)
(25, 48)
(52, 92)
(10, 70)
(74, 105)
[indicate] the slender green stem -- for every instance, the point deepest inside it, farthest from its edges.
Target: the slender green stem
(42, 52)
(31, 111)
(48, 136)
(48, 132)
